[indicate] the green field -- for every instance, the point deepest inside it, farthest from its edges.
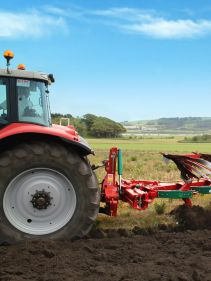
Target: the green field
(151, 144)
(142, 160)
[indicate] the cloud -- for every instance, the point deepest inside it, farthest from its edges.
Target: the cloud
(153, 25)
(50, 19)
(125, 13)
(169, 29)
(29, 24)
(68, 12)
(55, 10)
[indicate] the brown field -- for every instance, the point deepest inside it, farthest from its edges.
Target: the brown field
(134, 246)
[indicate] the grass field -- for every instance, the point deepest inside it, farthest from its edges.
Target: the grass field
(151, 145)
(142, 160)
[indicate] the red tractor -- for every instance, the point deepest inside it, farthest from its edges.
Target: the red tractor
(47, 187)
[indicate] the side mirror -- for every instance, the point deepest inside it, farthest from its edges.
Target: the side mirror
(51, 78)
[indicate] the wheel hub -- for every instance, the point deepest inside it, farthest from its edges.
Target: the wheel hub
(41, 200)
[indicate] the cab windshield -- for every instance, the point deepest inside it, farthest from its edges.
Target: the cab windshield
(33, 105)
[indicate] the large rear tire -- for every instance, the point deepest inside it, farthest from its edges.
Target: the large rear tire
(46, 191)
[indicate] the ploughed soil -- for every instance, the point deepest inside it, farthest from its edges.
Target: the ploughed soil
(181, 253)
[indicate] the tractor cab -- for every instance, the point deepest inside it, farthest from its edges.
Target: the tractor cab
(24, 95)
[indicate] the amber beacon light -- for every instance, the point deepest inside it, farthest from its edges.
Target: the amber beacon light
(21, 66)
(8, 56)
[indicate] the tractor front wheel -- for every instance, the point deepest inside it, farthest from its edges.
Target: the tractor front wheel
(46, 190)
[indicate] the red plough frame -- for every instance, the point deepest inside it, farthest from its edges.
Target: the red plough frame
(140, 193)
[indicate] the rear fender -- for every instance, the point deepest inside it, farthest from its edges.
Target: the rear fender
(20, 132)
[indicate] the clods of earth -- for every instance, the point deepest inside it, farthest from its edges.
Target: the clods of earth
(181, 253)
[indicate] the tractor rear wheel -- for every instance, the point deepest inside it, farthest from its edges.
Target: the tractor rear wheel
(46, 190)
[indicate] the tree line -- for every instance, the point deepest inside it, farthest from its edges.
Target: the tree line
(197, 139)
(92, 125)
(182, 122)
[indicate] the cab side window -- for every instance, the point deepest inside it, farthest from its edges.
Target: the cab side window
(31, 101)
(3, 102)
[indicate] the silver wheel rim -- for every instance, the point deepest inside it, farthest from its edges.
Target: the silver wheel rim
(18, 207)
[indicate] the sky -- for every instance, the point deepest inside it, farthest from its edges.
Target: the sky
(123, 59)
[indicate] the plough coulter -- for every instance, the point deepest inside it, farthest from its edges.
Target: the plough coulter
(194, 169)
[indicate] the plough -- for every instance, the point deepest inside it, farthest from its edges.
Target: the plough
(194, 169)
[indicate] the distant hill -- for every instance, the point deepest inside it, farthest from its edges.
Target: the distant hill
(185, 125)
